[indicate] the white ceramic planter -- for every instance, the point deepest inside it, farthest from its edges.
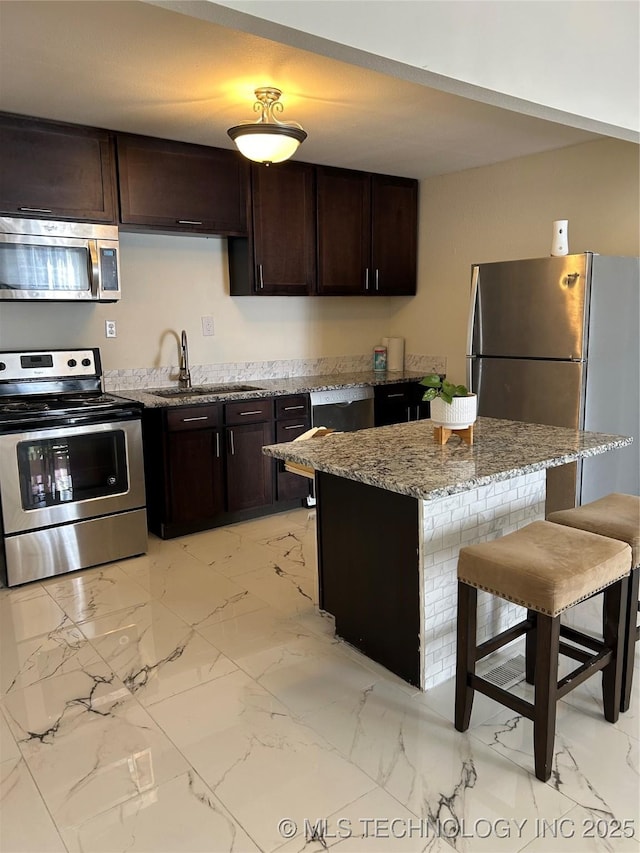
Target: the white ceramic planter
(460, 413)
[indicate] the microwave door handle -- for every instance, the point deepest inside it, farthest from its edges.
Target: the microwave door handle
(94, 269)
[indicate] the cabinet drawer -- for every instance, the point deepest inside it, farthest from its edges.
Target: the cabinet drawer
(395, 394)
(193, 417)
(294, 406)
(248, 411)
(288, 430)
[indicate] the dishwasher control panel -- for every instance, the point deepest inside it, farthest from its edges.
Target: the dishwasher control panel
(341, 395)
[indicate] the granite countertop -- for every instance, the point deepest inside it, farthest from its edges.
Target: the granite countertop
(405, 458)
(269, 388)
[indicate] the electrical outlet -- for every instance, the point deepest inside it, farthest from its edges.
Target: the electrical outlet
(110, 330)
(207, 325)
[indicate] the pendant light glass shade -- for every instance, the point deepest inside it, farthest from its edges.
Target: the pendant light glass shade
(267, 140)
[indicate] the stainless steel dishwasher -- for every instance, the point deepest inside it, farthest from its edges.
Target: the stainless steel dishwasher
(343, 409)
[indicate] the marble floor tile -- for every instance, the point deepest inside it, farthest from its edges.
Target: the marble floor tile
(27, 613)
(95, 592)
(255, 640)
(192, 698)
(257, 759)
(154, 652)
(604, 780)
(439, 774)
(226, 549)
(373, 822)
(181, 815)
(8, 746)
(88, 744)
(29, 661)
(282, 585)
(25, 824)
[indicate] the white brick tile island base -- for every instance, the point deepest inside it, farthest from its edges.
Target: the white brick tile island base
(447, 525)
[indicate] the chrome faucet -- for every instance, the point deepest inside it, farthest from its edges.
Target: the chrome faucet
(184, 376)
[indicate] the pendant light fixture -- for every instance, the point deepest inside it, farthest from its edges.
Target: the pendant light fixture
(267, 140)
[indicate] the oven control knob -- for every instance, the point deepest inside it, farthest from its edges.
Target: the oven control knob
(72, 362)
(3, 366)
(86, 362)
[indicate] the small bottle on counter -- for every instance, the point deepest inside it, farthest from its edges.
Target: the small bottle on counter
(380, 359)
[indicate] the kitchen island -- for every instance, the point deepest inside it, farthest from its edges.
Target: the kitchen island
(394, 508)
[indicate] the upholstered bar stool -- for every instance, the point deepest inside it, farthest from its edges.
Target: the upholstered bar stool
(546, 568)
(616, 516)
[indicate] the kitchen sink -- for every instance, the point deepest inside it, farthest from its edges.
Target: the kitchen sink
(203, 390)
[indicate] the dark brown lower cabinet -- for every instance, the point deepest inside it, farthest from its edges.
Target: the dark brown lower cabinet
(293, 418)
(196, 482)
(249, 472)
(204, 464)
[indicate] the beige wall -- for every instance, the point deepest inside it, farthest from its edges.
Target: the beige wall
(493, 213)
(504, 212)
(168, 283)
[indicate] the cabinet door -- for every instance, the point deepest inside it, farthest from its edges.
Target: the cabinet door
(196, 484)
(284, 233)
(174, 186)
(249, 472)
(56, 171)
(394, 229)
(344, 231)
(394, 404)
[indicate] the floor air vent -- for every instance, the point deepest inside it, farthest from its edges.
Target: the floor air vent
(508, 673)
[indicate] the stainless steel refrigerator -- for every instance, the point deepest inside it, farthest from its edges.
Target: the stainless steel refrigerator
(557, 341)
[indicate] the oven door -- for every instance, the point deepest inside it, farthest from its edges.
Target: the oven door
(55, 476)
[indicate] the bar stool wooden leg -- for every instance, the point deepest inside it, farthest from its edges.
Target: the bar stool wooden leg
(546, 689)
(613, 630)
(631, 638)
(530, 649)
(466, 654)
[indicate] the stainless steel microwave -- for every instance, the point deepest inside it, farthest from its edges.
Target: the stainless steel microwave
(58, 261)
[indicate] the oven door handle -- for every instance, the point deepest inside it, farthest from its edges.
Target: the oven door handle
(94, 269)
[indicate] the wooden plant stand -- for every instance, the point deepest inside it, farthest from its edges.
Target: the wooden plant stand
(443, 434)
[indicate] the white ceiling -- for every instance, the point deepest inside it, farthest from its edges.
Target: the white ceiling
(135, 67)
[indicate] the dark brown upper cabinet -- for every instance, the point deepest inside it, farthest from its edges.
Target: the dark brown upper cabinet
(279, 257)
(367, 233)
(394, 235)
(344, 232)
(50, 170)
(178, 187)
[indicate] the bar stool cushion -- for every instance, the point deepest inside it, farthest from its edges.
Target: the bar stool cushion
(544, 566)
(615, 515)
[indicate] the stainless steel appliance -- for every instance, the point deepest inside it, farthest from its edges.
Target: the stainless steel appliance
(45, 260)
(72, 489)
(343, 409)
(557, 341)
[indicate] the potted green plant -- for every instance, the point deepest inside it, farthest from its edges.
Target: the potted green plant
(452, 406)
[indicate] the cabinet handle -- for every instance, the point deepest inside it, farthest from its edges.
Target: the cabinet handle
(200, 418)
(366, 279)
(408, 413)
(389, 396)
(292, 408)
(189, 221)
(257, 412)
(217, 445)
(232, 447)
(36, 209)
(377, 279)
(260, 277)
(418, 412)
(295, 426)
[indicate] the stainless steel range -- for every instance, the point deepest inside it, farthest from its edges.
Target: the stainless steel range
(71, 467)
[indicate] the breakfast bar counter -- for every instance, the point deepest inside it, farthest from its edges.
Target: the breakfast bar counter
(394, 508)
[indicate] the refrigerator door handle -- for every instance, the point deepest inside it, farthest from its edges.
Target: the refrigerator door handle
(475, 275)
(470, 364)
